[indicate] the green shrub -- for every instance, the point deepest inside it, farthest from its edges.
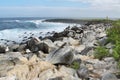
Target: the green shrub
(75, 65)
(101, 52)
(116, 55)
(118, 64)
(114, 37)
(116, 52)
(114, 32)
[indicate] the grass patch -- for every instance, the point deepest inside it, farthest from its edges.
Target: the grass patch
(101, 52)
(75, 65)
(114, 37)
(113, 34)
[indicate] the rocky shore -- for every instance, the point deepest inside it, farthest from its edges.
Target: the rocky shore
(68, 55)
(80, 21)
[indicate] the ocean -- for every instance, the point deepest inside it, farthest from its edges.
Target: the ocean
(19, 29)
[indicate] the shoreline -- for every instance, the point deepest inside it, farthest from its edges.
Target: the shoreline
(66, 55)
(80, 21)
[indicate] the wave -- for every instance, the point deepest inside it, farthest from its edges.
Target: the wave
(18, 30)
(16, 24)
(29, 24)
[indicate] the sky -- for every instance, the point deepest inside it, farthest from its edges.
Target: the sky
(60, 8)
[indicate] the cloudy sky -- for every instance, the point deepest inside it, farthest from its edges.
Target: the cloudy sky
(60, 8)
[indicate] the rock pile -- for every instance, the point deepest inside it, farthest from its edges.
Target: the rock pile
(50, 58)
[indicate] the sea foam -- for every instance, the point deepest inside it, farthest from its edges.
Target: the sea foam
(16, 31)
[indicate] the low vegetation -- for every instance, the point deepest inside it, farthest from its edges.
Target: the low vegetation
(114, 37)
(101, 52)
(113, 34)
(75, 65)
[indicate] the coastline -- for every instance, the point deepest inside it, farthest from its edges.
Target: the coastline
(80, 21)
(58, 55)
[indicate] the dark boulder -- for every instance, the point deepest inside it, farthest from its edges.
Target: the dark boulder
(61, 34)
(2, 49)
(14, 48)
(49, 37)
(62, 55)
(35, 45)
(22, 47)
(57, 36)
(43, 47)
(77, 29)
(32, 44)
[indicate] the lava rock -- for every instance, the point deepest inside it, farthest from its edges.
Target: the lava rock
(61, 56)
(2, 49)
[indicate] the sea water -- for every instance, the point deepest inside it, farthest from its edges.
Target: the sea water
(15, 29)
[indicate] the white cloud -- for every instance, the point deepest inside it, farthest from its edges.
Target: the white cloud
(100, 3)
(108, 5)
(96, 8)
(43, 11)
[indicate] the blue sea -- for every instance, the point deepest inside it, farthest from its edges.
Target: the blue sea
(15, 29)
